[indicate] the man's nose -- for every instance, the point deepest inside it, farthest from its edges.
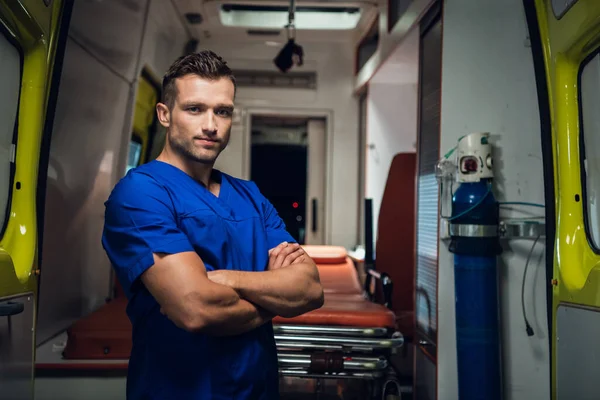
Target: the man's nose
(209, 124)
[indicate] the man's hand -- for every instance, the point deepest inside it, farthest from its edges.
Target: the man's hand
(286, 254)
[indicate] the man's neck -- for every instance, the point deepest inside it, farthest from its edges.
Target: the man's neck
(200, 172)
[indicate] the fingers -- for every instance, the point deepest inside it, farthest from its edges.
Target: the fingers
(284, 253)
(293, 257)
(302, 258)
(273, 253)
(276, 259)
(275, 250)
(279, 254)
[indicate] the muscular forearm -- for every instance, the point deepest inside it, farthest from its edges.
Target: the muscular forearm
(219, 311)
(237, 319)
(288, 292)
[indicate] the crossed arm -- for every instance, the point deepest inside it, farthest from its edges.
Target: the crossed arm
(283, 291)
(233, 302)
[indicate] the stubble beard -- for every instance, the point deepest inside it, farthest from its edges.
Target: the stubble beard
(190, 152)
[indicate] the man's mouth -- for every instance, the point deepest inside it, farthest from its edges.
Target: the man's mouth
(205, 140)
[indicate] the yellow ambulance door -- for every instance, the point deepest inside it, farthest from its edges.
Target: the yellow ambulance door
(29, 36)
(567, 36)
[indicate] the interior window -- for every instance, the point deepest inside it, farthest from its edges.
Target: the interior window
(10, 83)
(135, 152)
(590, 148)
(560, 7)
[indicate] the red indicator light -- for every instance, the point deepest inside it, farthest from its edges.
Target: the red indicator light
(295, 204)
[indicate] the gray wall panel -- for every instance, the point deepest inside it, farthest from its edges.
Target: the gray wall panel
(164, 38)
(111, 31)
(578, 353)
(86, 141)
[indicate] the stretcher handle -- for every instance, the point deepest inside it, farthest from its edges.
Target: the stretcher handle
(387, 286)
(314, 214)
(11, 308)
(369, 256)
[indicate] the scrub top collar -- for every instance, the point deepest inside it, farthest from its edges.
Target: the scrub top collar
(220, 202)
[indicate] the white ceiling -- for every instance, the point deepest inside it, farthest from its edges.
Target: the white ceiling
(402, 67)
(211, 26)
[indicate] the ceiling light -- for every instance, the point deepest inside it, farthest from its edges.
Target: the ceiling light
(262, 16)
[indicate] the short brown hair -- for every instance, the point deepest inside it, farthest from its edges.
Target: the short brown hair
(206, 64)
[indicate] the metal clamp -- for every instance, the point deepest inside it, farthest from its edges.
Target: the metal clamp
(472, 230)
(506, 230)
(525, 229)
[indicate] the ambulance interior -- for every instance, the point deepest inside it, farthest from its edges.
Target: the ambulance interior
(423, 152)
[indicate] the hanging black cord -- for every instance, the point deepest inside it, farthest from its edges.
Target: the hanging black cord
(528, 327)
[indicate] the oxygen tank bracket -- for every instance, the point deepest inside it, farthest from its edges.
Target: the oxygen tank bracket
(527, 229)
(472, 230)
(505, 230)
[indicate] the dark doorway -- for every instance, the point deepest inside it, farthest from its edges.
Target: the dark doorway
(279, 168)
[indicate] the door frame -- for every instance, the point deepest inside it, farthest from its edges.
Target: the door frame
(548, 164)
(250, 112)
(560, 46)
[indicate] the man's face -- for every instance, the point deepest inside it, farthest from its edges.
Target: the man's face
(199, 123)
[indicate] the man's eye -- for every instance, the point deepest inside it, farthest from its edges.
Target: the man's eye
(193, 109)
(224, 113)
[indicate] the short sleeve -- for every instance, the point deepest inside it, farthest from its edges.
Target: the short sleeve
(274, 225)
(140, 220)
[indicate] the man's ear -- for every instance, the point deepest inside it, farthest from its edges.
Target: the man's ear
(163, 114)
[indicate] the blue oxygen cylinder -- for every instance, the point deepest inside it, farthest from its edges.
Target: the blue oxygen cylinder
(475, 244)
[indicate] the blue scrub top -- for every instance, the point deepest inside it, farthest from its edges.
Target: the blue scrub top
(157, 208)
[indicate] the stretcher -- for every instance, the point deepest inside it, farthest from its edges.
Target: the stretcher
(349, 337)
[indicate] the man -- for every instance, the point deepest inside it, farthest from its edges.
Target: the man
(203, 257)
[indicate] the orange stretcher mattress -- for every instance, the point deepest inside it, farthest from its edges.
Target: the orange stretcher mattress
(345, 310)
(336, 270)
(322, 254)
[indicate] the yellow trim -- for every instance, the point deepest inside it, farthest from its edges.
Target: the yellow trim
(566, 43)
(34, 26)
(145, 106)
